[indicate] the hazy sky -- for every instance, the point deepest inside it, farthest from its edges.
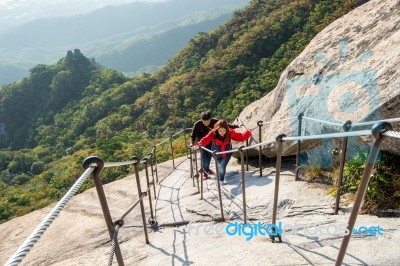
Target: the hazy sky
(16, 12)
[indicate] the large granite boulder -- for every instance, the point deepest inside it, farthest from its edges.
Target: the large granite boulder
(349, 71)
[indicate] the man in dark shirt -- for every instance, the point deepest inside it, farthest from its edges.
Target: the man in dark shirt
(200, 129)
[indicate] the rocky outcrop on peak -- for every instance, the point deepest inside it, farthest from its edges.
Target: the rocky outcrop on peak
(349, 71)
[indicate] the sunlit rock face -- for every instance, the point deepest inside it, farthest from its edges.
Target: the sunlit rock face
(349, 71)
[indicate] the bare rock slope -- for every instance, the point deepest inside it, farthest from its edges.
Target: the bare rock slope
(78, 236)
(349, 71)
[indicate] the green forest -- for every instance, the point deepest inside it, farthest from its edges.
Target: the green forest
(62, 113)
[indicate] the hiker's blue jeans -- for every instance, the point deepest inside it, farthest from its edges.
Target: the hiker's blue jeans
(222, 163)
(205, 160)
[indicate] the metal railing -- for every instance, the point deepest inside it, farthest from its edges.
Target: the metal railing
(17, 257)
(94, 165)
(379, 131)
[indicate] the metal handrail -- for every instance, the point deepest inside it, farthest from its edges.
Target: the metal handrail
(380, 131)
(94, 165)
(24, 249)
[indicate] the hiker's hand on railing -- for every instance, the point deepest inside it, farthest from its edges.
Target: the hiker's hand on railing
(195, 147)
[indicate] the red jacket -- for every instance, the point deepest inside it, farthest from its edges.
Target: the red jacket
(222, 146)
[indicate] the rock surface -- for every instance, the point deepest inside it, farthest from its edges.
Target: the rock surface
(349, 71)
(78, 236)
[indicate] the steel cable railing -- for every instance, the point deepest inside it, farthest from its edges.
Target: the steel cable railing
(118, 224)
(283, 138)
(237, 150)
(28, 244)
(260, 123)
(114, 164)
(370, 123)
(162, 142)
(322, 121)
(393, 134)
(330, 135)
(133, 206)
(379, 131)
(258, 145)
(34, 237)
(301, 138)
(276, 121)
(91, 164)
(242, 125)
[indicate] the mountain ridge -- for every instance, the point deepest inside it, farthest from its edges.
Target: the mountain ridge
(46, 40)
(16, 12)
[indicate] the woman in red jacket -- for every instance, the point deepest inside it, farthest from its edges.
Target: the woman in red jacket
(221, 136)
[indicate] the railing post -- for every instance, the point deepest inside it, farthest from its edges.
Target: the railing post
(300, 117)
(243, 184)
(197, 173)
(172, 151)
(247, 155)
(339, 182)
(103, 201)
(260, 124)
(152, 172)
(191, 163)
(218, 184)
(184, 139)
(136, 162)
(279, 142)
(155, 162)
(151, 220)
(201, 171)
(377, 131)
